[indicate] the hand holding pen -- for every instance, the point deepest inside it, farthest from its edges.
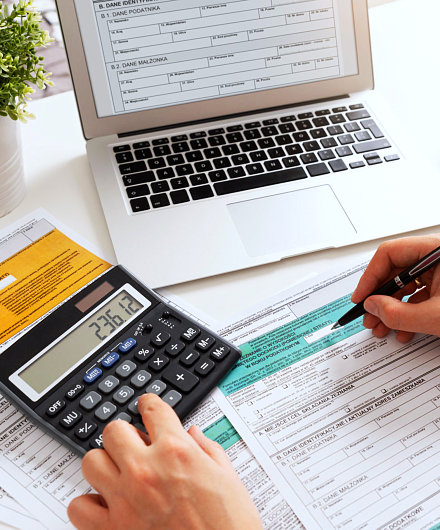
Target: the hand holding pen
(412, 261)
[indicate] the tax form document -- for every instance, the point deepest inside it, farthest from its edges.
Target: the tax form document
(346, 425)
(275, 512)
(12, 513)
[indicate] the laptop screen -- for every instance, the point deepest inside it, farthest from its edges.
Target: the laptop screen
(148, 54)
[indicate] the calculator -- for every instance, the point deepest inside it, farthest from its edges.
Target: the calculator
(87, 362)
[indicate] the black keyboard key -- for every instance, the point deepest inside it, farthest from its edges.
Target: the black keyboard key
(311, 146)
(254, 169)
(270, 131)
(276, 152)
(266, 143)
(215, 132)
(248, 146)
(320, 122)
(363, 136)
(180, 378)
(120, 148)
(203, 166)
(315, 170)
(324, 112)
(373, 128)
(143, 154)
(355, 165)
(328, 142)
(239, 160)
(179, 183)
(305, 115)
(318, 133)
(337, 110)
(252, 125)
(137, 191)
(301, 136)
(338, 118)
(132, 167)
(345, 139)
(194, 156)
(236, 172)
(337, 165)
(352, 127)
(374, 161)
(160, 141)
(198, 179)
(217, 176)
(234, 138)
(286, 128)
(284, 139)
(222, 163)
(294, 149)
(333, 130)
(179, 197)
(358, 115)
(141, 145)
(122, 158)
(291, 161)
(356, 106)
(179, 138)
(180, 147)
(216, 140)
(201, 143)
(160, 187)
(139, 205)
(138, 178)
(374, 145)
(258, 156)
(184, 169)
(198, 134)
(234, 128)
(259, 181)
(327, 154)
(212, 152)
(271, 121)
(272, 165)
(344, 150)
(165, 173)
(285, 119)
(303, 125)
(252, 134)
(392, 158)
(162, 150)
(160, 200)
(229, 150)
(173, 160)
(309, 158)
(156, 163)
(201, 192)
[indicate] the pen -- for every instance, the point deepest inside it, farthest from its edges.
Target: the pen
(393, 285)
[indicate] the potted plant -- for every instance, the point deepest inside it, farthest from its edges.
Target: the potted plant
(21, 69)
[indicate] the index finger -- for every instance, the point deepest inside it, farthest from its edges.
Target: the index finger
(391, 258)
(158, 417)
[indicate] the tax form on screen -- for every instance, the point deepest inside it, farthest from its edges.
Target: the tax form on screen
(345, 424)
(143, 55)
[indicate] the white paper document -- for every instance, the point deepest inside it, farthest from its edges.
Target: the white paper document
(347, 425)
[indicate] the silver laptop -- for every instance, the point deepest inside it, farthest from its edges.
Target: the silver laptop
(222, 135)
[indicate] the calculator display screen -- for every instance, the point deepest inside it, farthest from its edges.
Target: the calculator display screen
(86, 337)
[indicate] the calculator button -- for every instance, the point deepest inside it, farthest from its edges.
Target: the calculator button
(89, 401)
(188, 359)
(93, 375)
(204, 367)
(55, 408)
(174, 348)
(190, 333)
(105, 411)
(85, 430)
(70, 419)
(74, 392)
(123, 395)
(110, 360)
(172, 398)
(156, 387)
(205, 343)
(140, 379)
(125, 369)
(133, 407)
(123, 416)
(108, 385)
(160, 338)
(158, 362)
(144, 354)
(127, 346)
(180, 378)
(220, 353)
(96, 442)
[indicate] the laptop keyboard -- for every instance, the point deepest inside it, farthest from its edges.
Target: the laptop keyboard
(174, 170)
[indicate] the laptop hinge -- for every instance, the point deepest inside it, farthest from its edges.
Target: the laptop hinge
(229, 116)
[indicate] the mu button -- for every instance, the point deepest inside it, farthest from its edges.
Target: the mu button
(180, 378)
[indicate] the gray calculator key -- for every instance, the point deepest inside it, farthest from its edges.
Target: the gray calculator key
(133, 407)
(172, 398)
(156, 387)
(108, 385)
(105, 411)
(140, 379)
(90, 400)
(125, 369)
(124, 417)
(123, 395)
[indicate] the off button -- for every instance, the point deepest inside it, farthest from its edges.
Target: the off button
(55, 408)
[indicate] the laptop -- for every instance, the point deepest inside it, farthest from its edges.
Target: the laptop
(228, 135)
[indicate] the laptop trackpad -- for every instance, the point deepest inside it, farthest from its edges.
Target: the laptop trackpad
(308, 219)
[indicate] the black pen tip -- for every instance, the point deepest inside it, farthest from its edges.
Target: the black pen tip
(336, 326)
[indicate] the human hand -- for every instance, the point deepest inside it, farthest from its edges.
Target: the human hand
(422, 313)
(171, 479)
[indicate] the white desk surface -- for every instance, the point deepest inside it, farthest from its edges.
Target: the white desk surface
(404, 40)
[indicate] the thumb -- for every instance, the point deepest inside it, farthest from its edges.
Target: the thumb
(423, 317)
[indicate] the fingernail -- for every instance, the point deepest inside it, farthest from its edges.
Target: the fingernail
(370, 307)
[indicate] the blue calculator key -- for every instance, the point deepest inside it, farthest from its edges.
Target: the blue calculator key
(110, 360)
(93, 375)
(127, 346)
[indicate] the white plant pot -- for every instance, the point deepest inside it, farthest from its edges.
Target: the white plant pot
(12, 186)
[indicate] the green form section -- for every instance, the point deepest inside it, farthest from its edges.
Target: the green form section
(435, 527)
(223, 433)
(285, 345)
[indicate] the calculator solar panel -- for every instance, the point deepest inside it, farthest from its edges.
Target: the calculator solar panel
(87, 363)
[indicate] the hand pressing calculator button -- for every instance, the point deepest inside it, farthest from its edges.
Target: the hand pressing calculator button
(89, 361)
